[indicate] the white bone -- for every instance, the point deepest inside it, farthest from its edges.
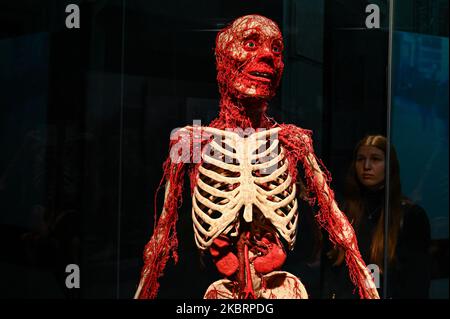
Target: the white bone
(283, 285)
(248, 191)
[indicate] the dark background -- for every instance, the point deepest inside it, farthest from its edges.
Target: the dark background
(87, 113)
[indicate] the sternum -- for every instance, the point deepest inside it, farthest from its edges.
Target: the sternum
(248, 189)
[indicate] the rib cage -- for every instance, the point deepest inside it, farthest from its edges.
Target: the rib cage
(240, 174)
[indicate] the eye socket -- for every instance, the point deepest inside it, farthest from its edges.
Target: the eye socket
(250, 45)
(276, 49)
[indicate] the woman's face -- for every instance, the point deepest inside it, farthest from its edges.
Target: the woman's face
(370, 166)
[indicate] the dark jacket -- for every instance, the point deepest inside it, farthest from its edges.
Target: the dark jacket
(409, 276)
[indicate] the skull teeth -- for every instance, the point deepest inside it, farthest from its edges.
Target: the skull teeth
(261, 74)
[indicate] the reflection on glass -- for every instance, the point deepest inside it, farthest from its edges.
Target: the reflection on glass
(409, 230)
(420, 119)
